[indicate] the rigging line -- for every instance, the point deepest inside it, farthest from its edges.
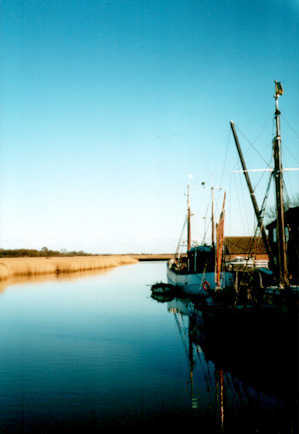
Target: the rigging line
(217, 197)
(225, 156)
(217, 213)
(284, 145)
(207, 230)
(205, 218)
(264, 204)
(230, 203)
(204, 238)
(205, 375)
(237, 164)
(262, 215)
(263, 173)
(228, 385)
(290, 126)
(269, 145)
(292, 242)
(198, 232)
(251, 144)
(181, 335)
(288, 176)
(238, 198)
(284, 183)
(262, 212)
(180, 239)
(287, 196)
(289, 203)
(244, 205)
(237, 386)
(262, 128)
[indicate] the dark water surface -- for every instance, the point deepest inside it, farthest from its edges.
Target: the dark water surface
(98, 352)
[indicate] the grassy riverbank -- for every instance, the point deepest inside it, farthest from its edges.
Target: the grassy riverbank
(11, 267)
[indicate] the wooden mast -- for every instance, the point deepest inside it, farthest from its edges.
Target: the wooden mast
(213, 224)
(213, 214)
(219, 249)
(253, 199)
(278, 176)
(188, 219)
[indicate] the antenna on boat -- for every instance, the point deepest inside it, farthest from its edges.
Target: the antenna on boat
(282, 275)
(187, 220)
(278, 177)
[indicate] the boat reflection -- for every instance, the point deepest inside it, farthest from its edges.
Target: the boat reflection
(245, 387)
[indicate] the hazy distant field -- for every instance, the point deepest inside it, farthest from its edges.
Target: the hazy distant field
(10, 267)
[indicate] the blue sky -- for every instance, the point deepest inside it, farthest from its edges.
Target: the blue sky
(107, 107)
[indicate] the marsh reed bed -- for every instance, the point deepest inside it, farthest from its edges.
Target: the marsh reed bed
(11, 267)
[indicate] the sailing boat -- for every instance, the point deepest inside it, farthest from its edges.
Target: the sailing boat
(198, 271)
(263, 303)
(281, 293)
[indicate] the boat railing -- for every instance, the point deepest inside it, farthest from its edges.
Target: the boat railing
(247, 263)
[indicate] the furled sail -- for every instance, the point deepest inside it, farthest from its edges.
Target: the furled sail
(219, 239)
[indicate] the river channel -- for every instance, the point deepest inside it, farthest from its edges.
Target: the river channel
(97, 351)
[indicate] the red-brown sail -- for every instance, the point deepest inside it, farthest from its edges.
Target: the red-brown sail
(219, 247)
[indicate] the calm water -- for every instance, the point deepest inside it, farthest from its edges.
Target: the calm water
(98, 351)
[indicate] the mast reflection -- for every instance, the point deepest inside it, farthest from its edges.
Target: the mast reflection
(238, 384)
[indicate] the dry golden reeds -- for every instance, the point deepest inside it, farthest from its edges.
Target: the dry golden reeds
(11, 267)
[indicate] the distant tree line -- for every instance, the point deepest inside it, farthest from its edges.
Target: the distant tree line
(44, 252)
(288, 203)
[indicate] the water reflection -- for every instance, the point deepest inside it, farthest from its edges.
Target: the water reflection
(51, 277)
(99, 352)
(244, 388)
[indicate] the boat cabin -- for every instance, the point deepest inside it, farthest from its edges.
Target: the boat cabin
(201, 259)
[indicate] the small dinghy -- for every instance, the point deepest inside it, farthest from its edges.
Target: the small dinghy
(163, 288)
(163, 292)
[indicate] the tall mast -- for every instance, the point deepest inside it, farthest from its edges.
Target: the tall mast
(219, 250)
(212, 217)
(213, 224)
(278, 176)
(189, 215)
(188, 219)
(253, 198)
